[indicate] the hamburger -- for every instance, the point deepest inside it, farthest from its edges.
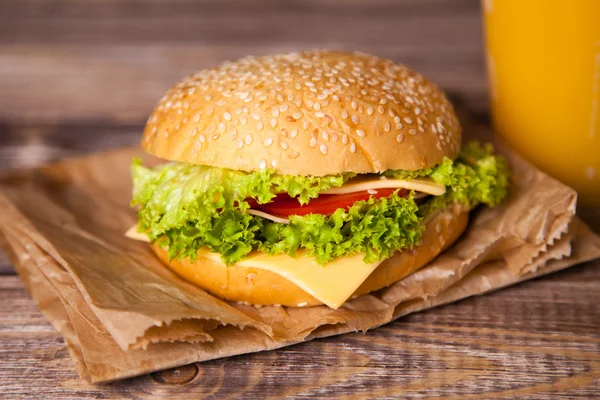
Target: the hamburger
(308, 178)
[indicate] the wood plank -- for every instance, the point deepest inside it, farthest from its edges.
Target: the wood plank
(78, 77)
(113, 60)
(539, 339)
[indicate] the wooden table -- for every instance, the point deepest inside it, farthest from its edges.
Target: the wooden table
(77, 77)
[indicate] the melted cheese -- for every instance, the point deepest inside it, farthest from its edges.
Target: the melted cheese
(373, 183)
(331, 284)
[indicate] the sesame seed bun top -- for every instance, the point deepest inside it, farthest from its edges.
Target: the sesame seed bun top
(312, 113)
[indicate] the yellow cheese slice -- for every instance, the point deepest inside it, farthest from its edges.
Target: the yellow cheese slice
(331, 284)
(360, 184)
(132, 233)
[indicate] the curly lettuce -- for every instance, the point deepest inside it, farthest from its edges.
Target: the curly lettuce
(478, 176)
(186, 207)
(172, 194)
(375, 228)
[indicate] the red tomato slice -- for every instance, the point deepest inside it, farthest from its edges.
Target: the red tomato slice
(284, 205)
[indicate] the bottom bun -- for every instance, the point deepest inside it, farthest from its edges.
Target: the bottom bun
(261, 287)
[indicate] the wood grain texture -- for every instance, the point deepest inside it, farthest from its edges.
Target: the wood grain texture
(537, 340)
(78, 77)
(68, 60)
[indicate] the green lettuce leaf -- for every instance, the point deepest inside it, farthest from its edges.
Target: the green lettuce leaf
(172, 195)
(478, 176)
(187, 207)
(408, 175)
(375, 228)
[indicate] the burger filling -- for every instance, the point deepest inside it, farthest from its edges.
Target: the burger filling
(187, 207)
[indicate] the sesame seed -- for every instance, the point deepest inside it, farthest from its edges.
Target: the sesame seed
(275, 112)
(345, 139)
(283, 108)
(274, 122)
(293, 133)
(268, 142)
(325, 135)
(370, 111)
(399, 125)
(381, 110)
(222, 127)
(263, 164)
(345, 114)
(243, 95)
(400, 138)
(372, 191)
(412, 131)
(417, 111)
(297, 115)
(293, 154)
(313, 142)
(233, 133)
(274, 163)
(248, 139)
(196, 117)
(197, 145)
(354, 119)
(317, 106)
(323, 149)
(408, 120)
(194, 131)
(322, 96)
(319, 114)
(215, 136)
(306, 124)
(259, 126)
(255, 116)
(227, 116)
(387, 127)
(284, 145)
(352, 147)
(360, 133)
(354, 105)
(202, 138)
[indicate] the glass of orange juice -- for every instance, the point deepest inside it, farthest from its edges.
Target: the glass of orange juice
(544, 73)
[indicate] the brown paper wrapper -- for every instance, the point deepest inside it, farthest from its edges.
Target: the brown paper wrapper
(122, 313)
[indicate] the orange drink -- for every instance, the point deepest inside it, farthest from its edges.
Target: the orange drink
(544, 72)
